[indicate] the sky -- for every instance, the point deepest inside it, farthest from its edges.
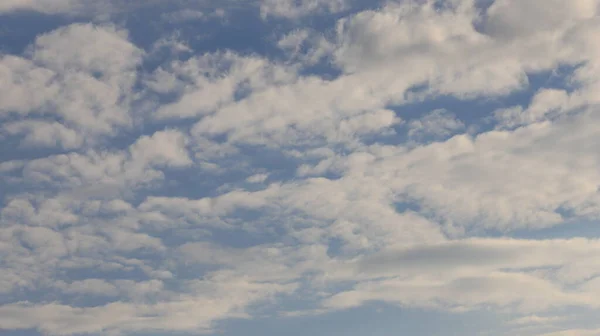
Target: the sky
(299, 167)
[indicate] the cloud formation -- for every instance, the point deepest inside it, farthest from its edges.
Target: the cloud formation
(438, 156)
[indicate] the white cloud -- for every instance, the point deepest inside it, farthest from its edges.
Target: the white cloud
(207, 209)
(101, 51)
(38, 211)
(26, 86)
(443, 48)
(98, 173)
(162, 148)
(501, 179)
(87, 87)
(447, 53)
(45, 134)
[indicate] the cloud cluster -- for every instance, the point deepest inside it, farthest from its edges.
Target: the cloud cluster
(170, 196)
(74, 80)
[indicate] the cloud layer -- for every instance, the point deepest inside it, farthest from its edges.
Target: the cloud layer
(413, 153)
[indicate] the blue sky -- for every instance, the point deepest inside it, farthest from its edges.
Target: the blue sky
(312, 167)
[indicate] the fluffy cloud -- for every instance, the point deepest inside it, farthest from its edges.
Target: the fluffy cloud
(111, 169)
(44, 134)
(80, 76)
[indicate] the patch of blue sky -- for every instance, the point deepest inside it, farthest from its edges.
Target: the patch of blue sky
(18, 30)
(22, 332)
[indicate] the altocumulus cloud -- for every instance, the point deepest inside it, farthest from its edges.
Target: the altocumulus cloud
(161, 174)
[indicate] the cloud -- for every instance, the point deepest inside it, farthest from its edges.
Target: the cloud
(85, 88)
(502, 180)
(438, 123)
(116, 170)
(44, 134)
(193, 312)
(269, 115)
(162, 148)
(448, 50)
(547, 104)
(496, 290)
(511, 19)
(202, 86)
(467, 274)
